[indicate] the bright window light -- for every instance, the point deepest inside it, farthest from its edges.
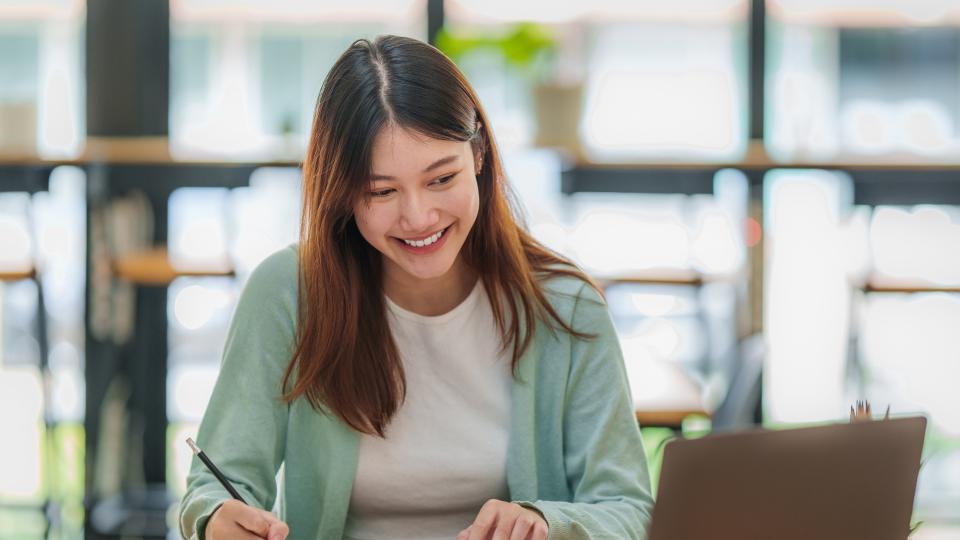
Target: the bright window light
(195, 305)
(922, 243)
(20, 391)
(866, 12)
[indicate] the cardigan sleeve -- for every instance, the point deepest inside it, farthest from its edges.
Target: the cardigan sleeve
(603, 453)
(244, 426)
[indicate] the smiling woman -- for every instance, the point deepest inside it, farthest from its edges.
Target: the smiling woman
(419, 219)
(420, 365)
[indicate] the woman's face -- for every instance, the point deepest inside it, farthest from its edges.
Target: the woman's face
(421, 203)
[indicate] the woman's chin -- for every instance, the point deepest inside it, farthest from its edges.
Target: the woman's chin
(427, 273)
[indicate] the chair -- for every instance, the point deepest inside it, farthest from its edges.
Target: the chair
(741, 406)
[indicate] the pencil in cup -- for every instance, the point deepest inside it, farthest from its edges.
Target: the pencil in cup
(216, 472)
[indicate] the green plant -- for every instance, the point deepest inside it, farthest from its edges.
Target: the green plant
(528, 47)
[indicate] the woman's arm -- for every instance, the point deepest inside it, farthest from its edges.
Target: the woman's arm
(603, 453)
(244, 426)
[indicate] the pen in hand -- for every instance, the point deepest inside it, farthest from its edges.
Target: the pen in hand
(216, 472)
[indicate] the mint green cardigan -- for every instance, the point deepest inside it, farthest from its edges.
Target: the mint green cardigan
(574, 454)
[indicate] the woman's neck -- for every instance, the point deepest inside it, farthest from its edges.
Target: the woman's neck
(429, 297)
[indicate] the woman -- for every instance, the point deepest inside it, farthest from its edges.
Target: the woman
(420, 366)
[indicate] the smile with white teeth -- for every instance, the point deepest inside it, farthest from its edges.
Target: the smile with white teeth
(426, 241)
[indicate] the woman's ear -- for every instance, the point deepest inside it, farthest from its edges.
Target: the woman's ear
(479, 148)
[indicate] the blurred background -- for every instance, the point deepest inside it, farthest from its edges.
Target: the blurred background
(768, 191)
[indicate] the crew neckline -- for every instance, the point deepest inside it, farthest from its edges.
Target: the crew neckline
(463, 307)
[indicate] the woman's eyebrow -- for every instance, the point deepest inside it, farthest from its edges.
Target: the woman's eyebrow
(438, 163)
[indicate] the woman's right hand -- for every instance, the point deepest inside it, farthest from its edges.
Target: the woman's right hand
(236, 520)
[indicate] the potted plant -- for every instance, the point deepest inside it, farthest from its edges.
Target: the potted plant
(533, 52)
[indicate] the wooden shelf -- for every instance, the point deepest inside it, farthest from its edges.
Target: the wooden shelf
(17, 275)
(134, 150)
(153, 267)
(756, 157)
(906, 286)
(652, 276)
(156, 150)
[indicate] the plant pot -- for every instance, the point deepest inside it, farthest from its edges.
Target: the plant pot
(19, 133)
(558, 108)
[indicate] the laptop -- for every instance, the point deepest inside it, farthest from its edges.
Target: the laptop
(846, 482)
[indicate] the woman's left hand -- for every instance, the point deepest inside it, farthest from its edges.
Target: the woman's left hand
(499, 520)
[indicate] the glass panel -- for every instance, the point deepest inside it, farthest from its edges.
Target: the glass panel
(860, 13)
(623, 81)
(907, 354)
(808, 299)
(43, 231)
(245, 76)
(661, 327)
(849, 80)
(243, 226)
(41, 51)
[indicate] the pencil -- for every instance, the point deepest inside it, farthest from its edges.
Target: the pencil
(216, 472)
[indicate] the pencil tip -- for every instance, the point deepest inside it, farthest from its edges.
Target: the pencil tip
(193, 445)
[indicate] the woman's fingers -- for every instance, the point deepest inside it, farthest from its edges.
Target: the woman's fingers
(237, 520)
(486, 520)
(522, 527)
(499, 520)
(278, 531)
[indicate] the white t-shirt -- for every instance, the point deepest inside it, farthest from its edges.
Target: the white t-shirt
(445, 451)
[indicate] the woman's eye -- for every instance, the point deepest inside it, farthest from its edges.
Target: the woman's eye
(445, 179)
(381, 193)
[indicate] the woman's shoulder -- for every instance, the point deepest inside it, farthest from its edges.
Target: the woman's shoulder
(567, 292)
(279, 264)
(275, 274)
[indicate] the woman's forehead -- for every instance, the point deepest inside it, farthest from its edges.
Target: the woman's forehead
(404, 151)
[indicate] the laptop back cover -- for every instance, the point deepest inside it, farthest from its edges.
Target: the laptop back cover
(844, 481)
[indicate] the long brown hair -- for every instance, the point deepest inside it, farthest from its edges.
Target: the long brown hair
(344, 359)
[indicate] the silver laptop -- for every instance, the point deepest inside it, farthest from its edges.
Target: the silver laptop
(845, 482)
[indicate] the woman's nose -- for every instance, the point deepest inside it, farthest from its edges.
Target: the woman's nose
(418, 214)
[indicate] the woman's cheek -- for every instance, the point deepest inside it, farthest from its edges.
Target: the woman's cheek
(465, 202)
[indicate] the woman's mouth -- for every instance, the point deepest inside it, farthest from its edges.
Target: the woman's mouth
(425, 245)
